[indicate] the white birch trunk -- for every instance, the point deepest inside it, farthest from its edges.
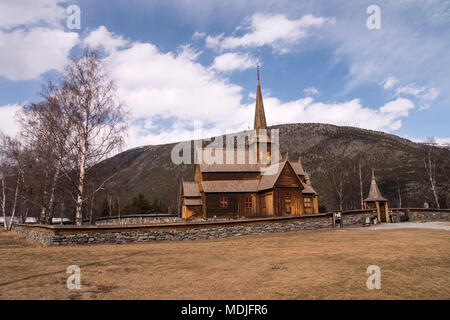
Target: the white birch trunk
(4, 201)
(15, 203)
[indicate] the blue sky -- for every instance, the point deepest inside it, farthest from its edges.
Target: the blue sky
(177, 62)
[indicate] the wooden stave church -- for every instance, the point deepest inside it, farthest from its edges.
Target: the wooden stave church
(242, 191)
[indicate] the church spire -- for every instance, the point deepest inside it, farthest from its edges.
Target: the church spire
(260, 117)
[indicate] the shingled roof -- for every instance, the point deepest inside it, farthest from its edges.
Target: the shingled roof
(374, 192)
(190, 189)
(308, 189)
(221, 186)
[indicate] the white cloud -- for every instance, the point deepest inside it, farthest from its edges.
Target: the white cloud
(198, 35)
(37, 12)
(101, 37)
(389, 82)
(413, 46)
(168, 92)
(32, 38)
(311, 91)
(7, 119)
(25, 55)
(277, 31)
(233, 61)
(349, 113)
(423, 93)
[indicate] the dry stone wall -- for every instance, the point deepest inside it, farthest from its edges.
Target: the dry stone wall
(63, 236)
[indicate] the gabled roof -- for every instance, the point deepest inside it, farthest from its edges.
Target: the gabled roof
(190, 189)
(229, 186)
(268, 181)
(374, 192)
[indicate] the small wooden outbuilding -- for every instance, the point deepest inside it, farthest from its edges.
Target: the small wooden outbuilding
(376, 201)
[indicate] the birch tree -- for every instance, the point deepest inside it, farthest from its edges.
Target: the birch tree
(430, 169)
(46, 127)
(98, 119)
(10, 169)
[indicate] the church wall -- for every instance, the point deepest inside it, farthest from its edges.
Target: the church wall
(288, 201)
(189, 211)
(213, 208)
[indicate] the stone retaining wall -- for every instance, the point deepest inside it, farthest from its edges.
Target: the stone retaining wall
(73, 235)
(66, 235)
(126, 236)
(423, 214)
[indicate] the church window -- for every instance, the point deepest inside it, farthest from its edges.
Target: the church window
(223, 203)
(248, 202)
(307, 202)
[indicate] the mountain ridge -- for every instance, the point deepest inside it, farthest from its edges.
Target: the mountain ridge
(330, 154)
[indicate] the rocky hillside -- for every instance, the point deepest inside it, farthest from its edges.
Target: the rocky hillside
(330, 154)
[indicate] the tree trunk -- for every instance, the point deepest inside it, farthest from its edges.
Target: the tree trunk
(110, 205)
(431, 172)
(14, 205)
(79, 203)
(118, 207)
(91, 211)
(53, 187)
(62, 213)
(361, 186)
(4, 200)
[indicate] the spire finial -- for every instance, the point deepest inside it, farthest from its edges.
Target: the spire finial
(257, 71)
(373, 174)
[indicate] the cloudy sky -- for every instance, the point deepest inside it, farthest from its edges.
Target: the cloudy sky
(177, 62)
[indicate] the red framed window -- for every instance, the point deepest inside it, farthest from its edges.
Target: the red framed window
(307, 202)
(223, 202)
(248, 202)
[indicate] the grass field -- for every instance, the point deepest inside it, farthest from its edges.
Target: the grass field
(322, 264)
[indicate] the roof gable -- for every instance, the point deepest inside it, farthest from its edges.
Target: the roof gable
(288, 177)
(269, 181)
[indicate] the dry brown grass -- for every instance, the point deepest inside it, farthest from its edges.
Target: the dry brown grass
(325, 264)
